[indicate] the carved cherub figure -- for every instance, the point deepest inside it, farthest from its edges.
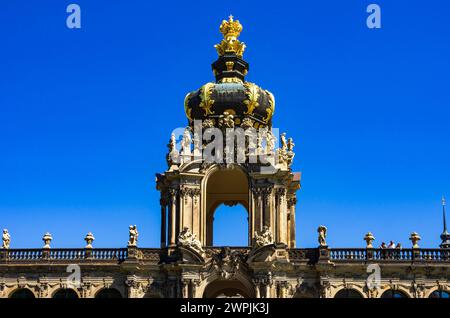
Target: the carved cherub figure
(284, 145)
(186, 142)
(322, 230)
(6, 239)
(133, 236)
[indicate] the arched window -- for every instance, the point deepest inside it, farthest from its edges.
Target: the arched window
(440, 294)
(230, 226)
(22, 293)
(65, 293)
(393, 294)
(108, 293)
(348, 293)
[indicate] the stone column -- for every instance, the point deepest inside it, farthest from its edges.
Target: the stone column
(196, 212)
(281, 216)
(267, 209)
(257, 212)
(163, 203)
(173, 217)
(185, 288)
(257, 284)
(292, 201)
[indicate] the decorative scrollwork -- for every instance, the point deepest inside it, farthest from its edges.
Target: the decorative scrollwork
(252, 95)
(205, 96)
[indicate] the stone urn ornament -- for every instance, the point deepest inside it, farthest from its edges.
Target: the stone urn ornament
(89, 239)
(369, 238)
(415, 238)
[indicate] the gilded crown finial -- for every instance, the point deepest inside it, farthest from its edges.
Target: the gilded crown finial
(231, 30)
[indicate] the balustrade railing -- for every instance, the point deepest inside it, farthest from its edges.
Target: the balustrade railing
(309, 255)
(63, 254)
(390, 255)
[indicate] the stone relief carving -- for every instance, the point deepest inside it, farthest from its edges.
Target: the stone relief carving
(227, 262)
(189, 240)
(264, 237)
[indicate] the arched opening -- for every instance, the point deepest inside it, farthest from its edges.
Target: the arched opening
(439, 294)
(230, 226)
(22, 293)
(227, 289)
(393, 294)
(348, 293)
(228, 187)
(65, 294)
(108, 293)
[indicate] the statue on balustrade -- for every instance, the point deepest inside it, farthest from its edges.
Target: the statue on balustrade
(186, 142)
(173, 157)
(322, 230)
(6, 239)
(132, 241)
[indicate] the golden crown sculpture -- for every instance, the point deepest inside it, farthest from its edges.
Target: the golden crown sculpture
(230, 44)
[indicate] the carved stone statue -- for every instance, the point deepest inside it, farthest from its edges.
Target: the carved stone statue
(290, 144)
(187, 239)
(283, 142)
(264, 237)
(186, 142)
(322, 230)
(6, 239)
(270, 142)
(132, 241)
(290, 151)
(173, 156)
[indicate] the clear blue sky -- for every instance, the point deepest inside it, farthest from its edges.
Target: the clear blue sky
(86, 114)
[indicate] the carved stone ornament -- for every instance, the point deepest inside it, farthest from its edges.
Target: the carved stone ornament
(173, 156)
(133, 236)
(322, 230)
(189, 240)
(415, 238)
(226, 262)
(369, 238)
(264, 237)
(47, 239)
(89, 239)
(226, 120)
(6, 238)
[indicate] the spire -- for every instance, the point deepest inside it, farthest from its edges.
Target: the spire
(443, 213)
(445, 236)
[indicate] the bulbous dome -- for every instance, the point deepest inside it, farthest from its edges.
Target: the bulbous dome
(245, 101)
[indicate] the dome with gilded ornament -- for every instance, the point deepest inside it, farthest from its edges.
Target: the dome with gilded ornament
(231, 93)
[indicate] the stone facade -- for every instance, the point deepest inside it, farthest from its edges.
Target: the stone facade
(271, 271)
